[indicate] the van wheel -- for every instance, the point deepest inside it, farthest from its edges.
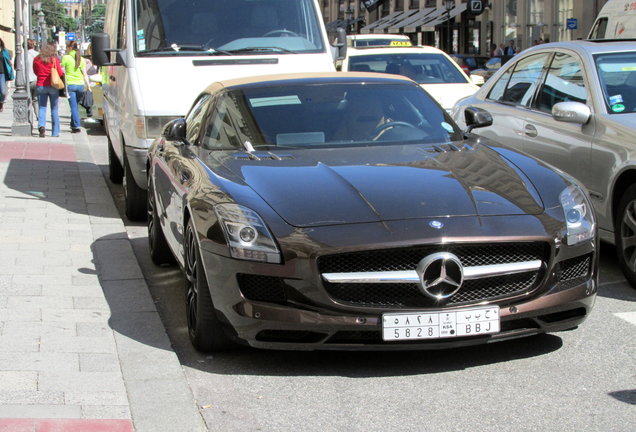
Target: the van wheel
(204, 328)
(625, 234)
(134, 196)
(159, 250)
(115, 170)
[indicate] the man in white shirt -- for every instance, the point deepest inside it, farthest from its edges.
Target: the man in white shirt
(31, 54)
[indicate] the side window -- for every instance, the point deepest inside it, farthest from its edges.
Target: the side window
(219, 129)
(564, 82)
(121, 31)
(195, 117)
(600, 27)
(519, 87)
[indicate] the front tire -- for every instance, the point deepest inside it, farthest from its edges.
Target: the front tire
(159, 250)
(204, 328)
(625, 234)
(134, 197)
(115, 170)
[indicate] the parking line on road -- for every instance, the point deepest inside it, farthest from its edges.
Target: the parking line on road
(630, 317)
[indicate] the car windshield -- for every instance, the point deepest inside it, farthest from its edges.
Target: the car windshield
(617, 73)
(420, 67)
(224, 27)
(328, 115)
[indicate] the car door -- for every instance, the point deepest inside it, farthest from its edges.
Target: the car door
(509, 100)
(173, 172)
(566, 146)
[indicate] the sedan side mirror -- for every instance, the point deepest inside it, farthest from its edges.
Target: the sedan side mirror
(476, 118)
(571, 112)
(175, 130)
(477, 80)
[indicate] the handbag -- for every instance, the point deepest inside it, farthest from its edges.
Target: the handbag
(87, 100)
(9, 75)
(56, 80)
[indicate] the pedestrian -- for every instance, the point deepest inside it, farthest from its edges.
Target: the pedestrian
(33, 79)
(76, 82)
(510, 49)
(6, 72)
(42, 65)
(495, 51)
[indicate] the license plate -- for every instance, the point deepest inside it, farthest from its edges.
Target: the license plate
(440, 324)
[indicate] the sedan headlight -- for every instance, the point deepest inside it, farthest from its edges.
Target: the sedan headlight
(247, 234)
(579, 217)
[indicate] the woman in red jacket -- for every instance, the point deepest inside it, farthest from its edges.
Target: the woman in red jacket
(42, 65)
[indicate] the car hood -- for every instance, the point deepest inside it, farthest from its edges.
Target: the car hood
(382, 183)
(447, 94)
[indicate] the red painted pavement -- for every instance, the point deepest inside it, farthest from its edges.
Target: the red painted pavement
(65, 425)
(37, 150)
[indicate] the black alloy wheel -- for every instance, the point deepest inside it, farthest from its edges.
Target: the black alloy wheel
(159, 250)
(625, 234)
(205, 330)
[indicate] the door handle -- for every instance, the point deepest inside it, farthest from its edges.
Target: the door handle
(531, 131)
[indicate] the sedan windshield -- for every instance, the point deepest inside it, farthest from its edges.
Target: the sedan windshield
(617, 72)
(422, 68)
(224, 27)
(327, 115)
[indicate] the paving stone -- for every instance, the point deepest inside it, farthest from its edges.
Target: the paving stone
(39, 302)
(88, 397)
(19, 345)
(73, 291)
(91, 329)
(40, 411)
(19, 380)
(99, 362)
(77, 344)
(31, 397)
(116, 260)
(106, 412)
(37, 329)
(20, 316)
(68, 315)
(78, 382)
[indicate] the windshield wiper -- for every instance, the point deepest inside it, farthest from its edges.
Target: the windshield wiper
(261, 49)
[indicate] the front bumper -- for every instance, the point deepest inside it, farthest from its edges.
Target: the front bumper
(307, 315)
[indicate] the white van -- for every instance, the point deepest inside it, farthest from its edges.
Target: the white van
(157, 56)
(617, 20)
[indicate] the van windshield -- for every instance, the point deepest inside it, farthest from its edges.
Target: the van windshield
(221, 27)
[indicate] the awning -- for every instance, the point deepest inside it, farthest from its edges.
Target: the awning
(369, 28)
(430, 26)
(415, 26)
(398, 18)
(407, 22)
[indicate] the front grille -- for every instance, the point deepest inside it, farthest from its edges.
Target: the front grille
(408, 258)
(262, 288)
(574, 268)
(408, 295)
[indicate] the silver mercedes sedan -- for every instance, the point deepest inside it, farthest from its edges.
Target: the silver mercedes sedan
(573, 105)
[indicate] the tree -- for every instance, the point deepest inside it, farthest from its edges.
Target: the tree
(55, 16)
(95, 23)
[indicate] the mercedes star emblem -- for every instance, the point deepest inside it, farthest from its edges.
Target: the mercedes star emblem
(441, 275)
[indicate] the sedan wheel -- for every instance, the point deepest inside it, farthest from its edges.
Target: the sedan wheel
(159, 250)
(625, 234)
(205, 330)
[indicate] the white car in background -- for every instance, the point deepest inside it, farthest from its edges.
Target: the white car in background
(378, 40)
(430, 67)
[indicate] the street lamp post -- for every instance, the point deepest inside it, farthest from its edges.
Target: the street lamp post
(21, 124)
(42, 24)
(348, 17)
(448, 4)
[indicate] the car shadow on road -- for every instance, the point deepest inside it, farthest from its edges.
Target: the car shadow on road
(612, 282)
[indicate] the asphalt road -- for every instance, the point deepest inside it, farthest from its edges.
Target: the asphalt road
(584, 379)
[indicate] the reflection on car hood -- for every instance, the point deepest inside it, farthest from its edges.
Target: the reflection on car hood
(447, 94)
(357, 185)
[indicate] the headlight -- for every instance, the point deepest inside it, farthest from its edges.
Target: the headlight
(246, 234)
(150, 127)
(579, 217)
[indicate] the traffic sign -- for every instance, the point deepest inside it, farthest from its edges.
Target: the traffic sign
(572, 24)
(475, 7)
(70, 36)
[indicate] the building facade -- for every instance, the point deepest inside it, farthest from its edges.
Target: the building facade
(450, 25)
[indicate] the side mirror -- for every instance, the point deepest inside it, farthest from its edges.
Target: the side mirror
(100, 45)
(571, 112)
(341, 43)
(476, 118)
(477, 80)
(175, 130)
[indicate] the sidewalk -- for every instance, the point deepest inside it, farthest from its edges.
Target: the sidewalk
(82, 347)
